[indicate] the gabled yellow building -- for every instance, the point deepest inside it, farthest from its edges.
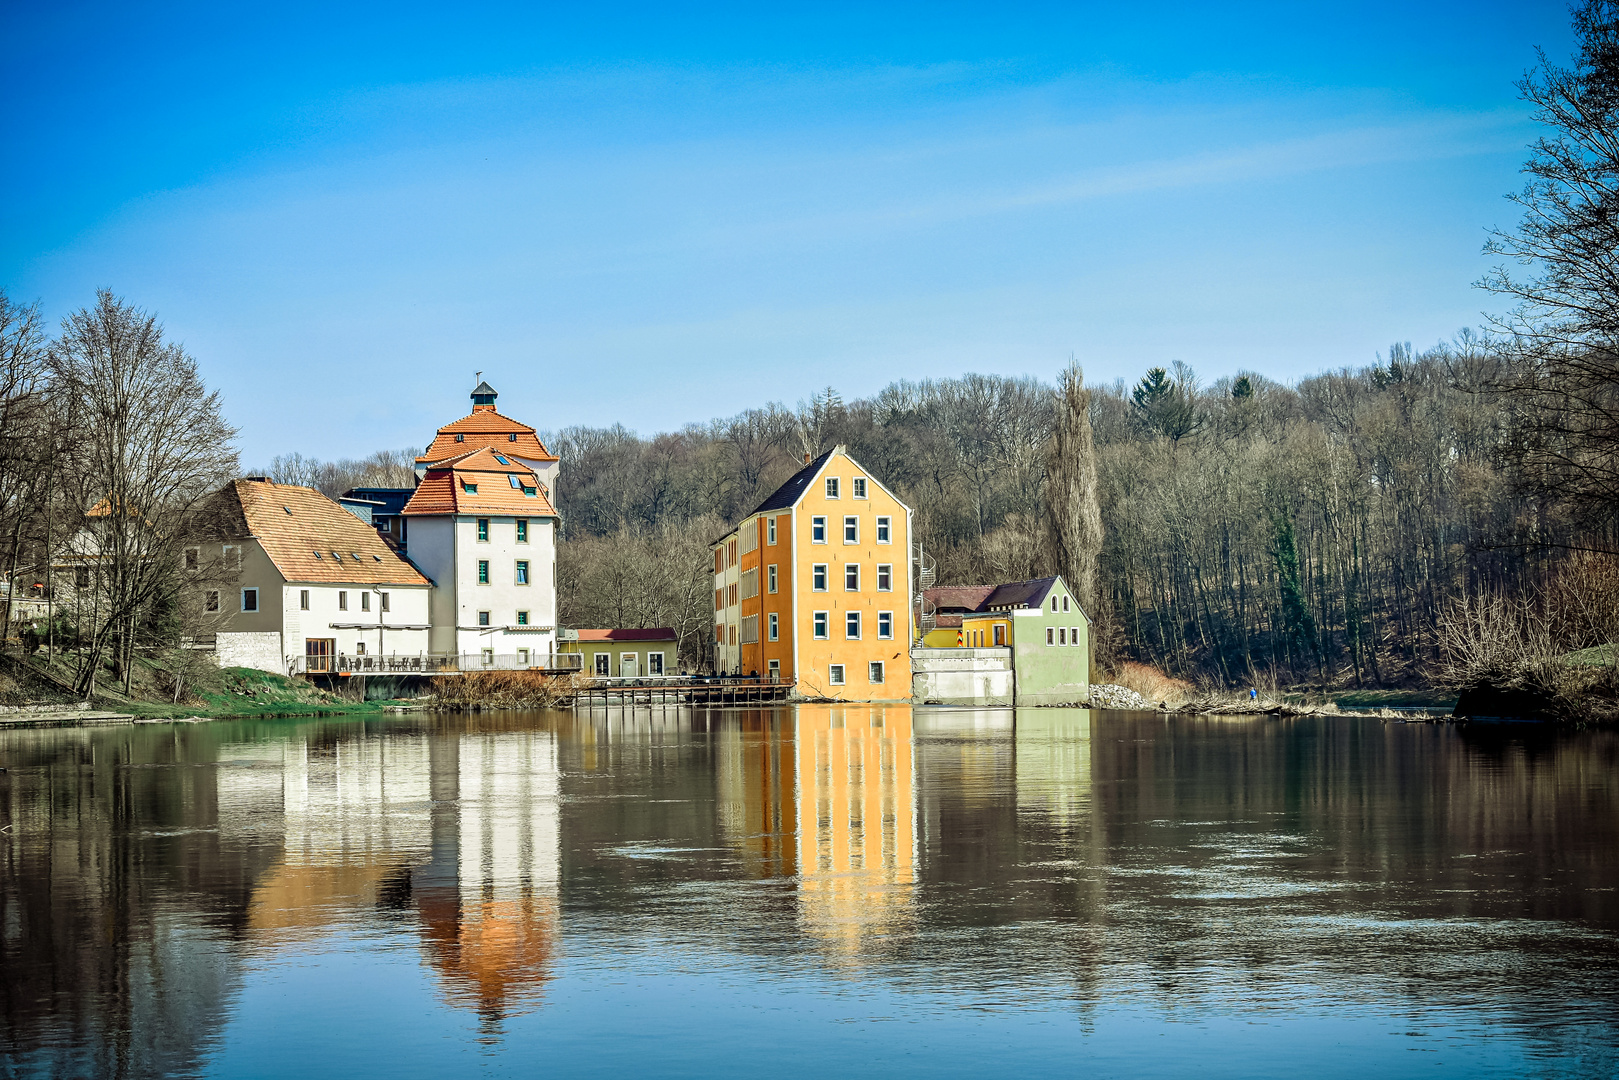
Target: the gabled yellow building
(814, 586)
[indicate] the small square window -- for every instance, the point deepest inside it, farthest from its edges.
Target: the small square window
(522, 618)
(483, 530)
(885, 577)
(875, 672)
(851, 626)
(250, 599)
(831, 487)
(883, 529)
(522, 530)
(522, 658)
(817, 530)
(483, 571)
(835, 674)
(818, 577)
(857, 487)
(359, 648)
(483, 618)
(851, 530)
(303, 599)
(342, 601)
(885, 625)
(851, 577)
(821, 623)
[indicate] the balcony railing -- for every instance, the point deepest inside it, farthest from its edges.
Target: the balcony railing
(435, 663)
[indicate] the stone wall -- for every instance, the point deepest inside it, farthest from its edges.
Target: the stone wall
(261, 650)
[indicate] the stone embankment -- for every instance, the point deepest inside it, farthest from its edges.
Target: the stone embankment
(1111, 696)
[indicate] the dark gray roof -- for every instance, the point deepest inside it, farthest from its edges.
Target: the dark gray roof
(1015, 594)
(484, 388)
(789, 492)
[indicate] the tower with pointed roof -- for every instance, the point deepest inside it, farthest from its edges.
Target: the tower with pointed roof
(483, 526)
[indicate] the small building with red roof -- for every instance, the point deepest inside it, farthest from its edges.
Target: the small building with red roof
(636, 652)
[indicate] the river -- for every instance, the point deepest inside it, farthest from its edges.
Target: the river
(819, 891)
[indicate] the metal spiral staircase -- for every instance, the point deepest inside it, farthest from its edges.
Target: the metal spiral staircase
(927, 574)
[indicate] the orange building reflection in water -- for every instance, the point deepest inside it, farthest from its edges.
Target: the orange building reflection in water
(489, 900)
(824, 793)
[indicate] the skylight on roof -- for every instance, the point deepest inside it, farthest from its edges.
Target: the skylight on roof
(317, 554)
(516, 482)
(502, 460)
(336, 556)
(356, 555)
(377, 557)
(288, 509)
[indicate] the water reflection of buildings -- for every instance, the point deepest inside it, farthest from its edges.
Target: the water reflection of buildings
(825, 794)
(461, 827)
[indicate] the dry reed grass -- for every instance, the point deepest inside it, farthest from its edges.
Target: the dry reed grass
(1151, 683)
(503, 690)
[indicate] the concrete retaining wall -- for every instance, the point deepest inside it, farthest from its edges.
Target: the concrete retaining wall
(962, 676)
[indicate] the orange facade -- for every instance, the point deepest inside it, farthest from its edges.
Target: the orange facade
(818, 591)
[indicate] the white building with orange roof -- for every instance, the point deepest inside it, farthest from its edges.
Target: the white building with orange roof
(482, 524)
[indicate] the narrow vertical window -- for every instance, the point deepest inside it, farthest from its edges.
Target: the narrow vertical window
(522, 571)
(303, 599)
(483, 529)
(522, 530)
(851, 530)
(1065, 603)
(851, 626)
(384, 601)
(365, 601)
(851, 577)
(775, 626)
(822, 623)
(342, 600)
(817, 530)
(885, 577)
(193, 558)
(771, 575)
(1051, 636)
(250, 599)
(210, 601)
(483, 571)
(770, 530)
(884, 527)
(1062, 635)
(885, 625)
(818, 577)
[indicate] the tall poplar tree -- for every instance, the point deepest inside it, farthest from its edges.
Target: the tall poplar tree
(1074, 515)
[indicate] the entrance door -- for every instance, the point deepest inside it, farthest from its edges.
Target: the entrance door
(626, 665)
(318, 653)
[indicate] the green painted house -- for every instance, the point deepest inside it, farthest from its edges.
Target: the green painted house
(1048, 636)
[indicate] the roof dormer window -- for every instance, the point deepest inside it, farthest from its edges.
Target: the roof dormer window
(469, 487)
(512, 437)
(460, 438)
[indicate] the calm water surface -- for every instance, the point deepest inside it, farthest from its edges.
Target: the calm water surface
(821, 891)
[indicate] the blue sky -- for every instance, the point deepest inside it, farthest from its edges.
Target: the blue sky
(658, 215)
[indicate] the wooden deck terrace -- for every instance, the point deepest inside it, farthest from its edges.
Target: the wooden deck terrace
(716, 692)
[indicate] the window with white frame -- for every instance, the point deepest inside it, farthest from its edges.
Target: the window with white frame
(773, 669)
(233, 557)
(834, 674)
(884, 530)
(771, 575)
(817, 530)
(775, 627)
(885, 577)
(831, 487)
(750, 629)
(1051, 636)
(1073, 635)
(1062, 635)
(770, 531)
(874, 672)
(603, 663)
(851, 625)
(885, 625)
(1053, 603)
(821, 622)
(488, 657)
(851, 529)
(818, 577)
(250, 599)
(857, 487)
(851, 577)
(522, 658)
(1065, 603)
(654, 663)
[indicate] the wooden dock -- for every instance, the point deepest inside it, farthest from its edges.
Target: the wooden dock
(709, 693)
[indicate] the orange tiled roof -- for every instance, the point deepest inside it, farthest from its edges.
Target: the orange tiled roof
(293, 523)
(444, 490)
(485, 427)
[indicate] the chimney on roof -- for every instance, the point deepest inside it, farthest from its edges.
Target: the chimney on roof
(806, 457)
(483, 397)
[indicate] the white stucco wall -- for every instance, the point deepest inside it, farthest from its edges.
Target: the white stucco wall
(407, 606)
(448, 551)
